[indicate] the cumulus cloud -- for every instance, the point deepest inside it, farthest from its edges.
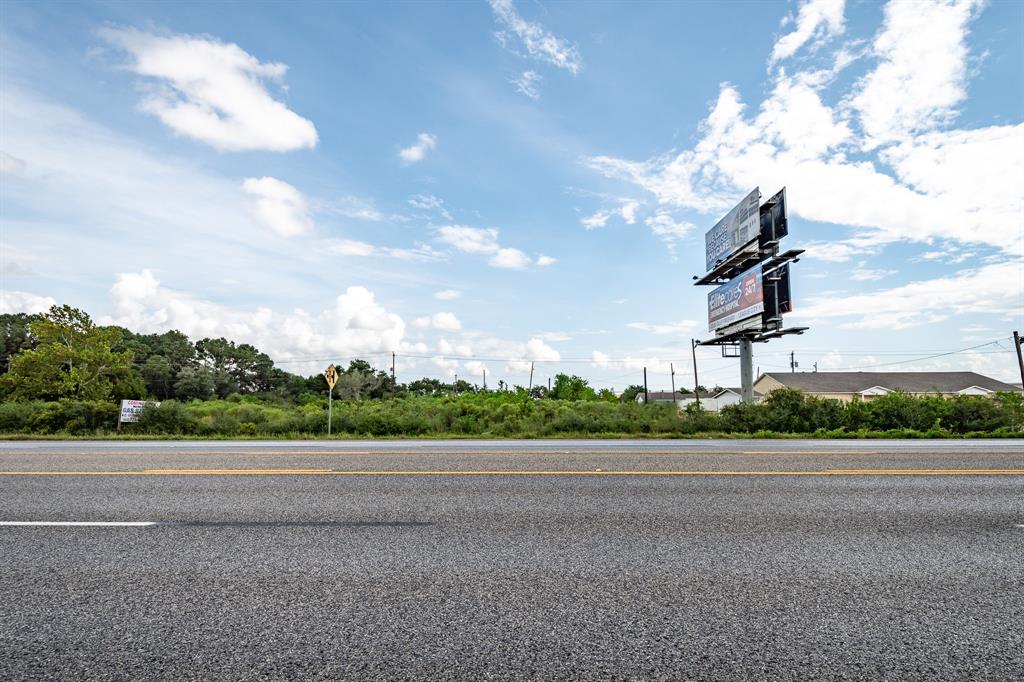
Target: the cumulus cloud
(279, 206)
(816, 20)
(12, 302)
(442, 321)
(596, 220)
(922, 184)
(509, 258)
(418, 150)
(354, 324)
(447, 294)
(539, 43)
(212, 91)
(484, 241)
(921, 75)
(997, 288)
(543, 260)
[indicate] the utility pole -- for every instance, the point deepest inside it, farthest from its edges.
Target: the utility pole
(672, 371)
(747, 369)
(455, 385)
(1020, 357)
(392, 368)
(485, 379)
(696, 394)
(646, 395)
(793, 364)
(531, 378)
(549, 384)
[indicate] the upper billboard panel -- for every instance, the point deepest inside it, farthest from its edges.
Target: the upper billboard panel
(739, 227)
(737, 299)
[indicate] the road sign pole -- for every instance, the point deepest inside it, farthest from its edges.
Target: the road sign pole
(330, 406)
(747, 369)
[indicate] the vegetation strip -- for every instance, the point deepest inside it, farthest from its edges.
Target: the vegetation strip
(62, 375)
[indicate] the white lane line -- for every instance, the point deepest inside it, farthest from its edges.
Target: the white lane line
(79, 523)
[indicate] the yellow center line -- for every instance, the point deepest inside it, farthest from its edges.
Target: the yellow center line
(332, 472)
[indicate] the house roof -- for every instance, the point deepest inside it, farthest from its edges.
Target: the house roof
(667, 395)
(733, 389)
(910, 382)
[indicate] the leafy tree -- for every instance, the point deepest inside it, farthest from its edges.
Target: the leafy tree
(158, 376)
(194, 382)
(631, 392)
(568, 387)
(15, 336)
(73, 358)
(607, 395)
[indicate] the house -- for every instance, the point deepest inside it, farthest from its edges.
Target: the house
(729, 396)
(848, 386)
(712, 400)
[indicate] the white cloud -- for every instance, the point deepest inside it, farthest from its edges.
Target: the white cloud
(12, 302)
(448, 295)
(667, 229)
(922, 70)
(681, 327)
(442, 321)
(994, 289)
(862, 273)
(543, 260)
(428, 202)
(418, 150)
(484, 241)
(213, 91)
(352, 247)
(628, 211)
(355, 324)
(526, 84)
(509, 258)
(817, 20)
(599, 359)
(599, 219)
(470, 239)
(538, 350)
(279, 206)
(539, 43)
(946, 185)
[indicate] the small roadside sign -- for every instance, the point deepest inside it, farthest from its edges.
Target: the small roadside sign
(331, 374)
(131, 409)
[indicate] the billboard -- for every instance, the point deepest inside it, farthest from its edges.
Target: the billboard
(739, 227)
(131, 409)
(774, 223)
(737, 299)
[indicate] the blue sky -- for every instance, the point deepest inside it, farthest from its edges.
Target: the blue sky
(481, 185)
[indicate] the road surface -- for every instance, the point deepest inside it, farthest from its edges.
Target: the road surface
(512, 559)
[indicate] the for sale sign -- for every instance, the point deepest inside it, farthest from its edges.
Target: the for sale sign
(736, 300)
(131, 409)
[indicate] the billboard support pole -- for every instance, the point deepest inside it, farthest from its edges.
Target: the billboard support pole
(747, 368)
(1020, 357)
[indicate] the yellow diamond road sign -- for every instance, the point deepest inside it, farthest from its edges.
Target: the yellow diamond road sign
(332, 376)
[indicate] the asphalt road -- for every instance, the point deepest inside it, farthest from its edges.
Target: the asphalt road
(551, 560)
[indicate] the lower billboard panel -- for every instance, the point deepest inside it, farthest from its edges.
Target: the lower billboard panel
(736, 300)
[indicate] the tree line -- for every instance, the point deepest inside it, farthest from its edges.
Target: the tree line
(64, 355)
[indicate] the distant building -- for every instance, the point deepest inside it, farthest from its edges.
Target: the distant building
(712, 401)
(868, 385)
